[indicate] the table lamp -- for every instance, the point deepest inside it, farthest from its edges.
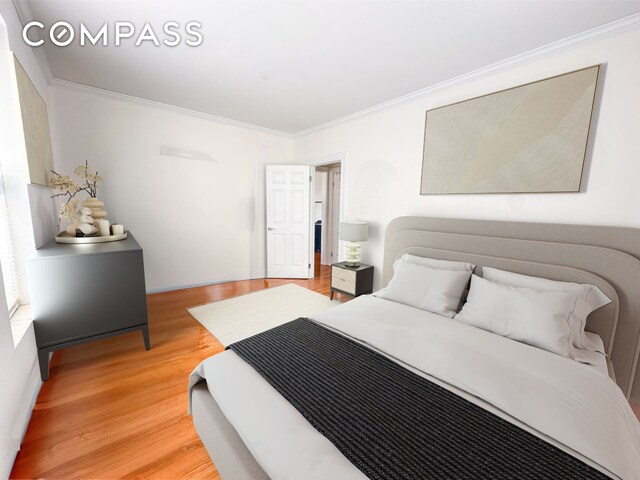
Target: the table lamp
(353, 233)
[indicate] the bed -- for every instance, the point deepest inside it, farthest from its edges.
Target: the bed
(251, 431)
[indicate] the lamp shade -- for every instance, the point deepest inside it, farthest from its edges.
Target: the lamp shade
(354, 231)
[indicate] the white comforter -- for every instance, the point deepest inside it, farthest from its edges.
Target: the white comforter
(571, 405)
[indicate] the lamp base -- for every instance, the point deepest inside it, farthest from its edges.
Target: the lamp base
(352, 254)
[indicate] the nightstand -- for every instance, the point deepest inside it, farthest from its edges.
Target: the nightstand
(354, 281)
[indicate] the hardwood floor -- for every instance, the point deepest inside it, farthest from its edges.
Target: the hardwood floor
(113, 410)
(110, 409)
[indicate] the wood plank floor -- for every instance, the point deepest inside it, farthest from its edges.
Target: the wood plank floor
(113, 410)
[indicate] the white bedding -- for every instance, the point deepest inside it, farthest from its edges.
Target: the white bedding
(595, 358)
(572, 405)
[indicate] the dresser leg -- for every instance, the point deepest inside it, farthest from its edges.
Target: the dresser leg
(331, 295)
(145, 336)
(43, 359)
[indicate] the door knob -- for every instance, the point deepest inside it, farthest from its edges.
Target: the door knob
(270, 229)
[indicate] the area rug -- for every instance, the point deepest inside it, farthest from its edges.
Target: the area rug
(240, 317)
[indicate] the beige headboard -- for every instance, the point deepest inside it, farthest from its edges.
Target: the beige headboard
(604, 256)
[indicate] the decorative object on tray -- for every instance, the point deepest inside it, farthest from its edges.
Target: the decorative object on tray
(64, 237)
(92, 225)
(96, 207)
(69, 188)
(86, 225)
(103, 227)
(91, 180)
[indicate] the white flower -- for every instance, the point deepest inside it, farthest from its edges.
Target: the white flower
(69, 211)
(64, 184)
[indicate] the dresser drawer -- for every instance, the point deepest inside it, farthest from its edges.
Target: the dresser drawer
(344, 280)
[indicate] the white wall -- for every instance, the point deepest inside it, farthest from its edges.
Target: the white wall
(197, 221)
(384, 152)
(20, 383)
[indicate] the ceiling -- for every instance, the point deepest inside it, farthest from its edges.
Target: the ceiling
(291, 65)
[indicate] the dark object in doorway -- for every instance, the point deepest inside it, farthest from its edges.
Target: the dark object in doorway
(318, 236)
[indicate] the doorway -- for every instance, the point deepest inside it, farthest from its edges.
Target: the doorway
(288, 220)
(304, 204)
(326, 216)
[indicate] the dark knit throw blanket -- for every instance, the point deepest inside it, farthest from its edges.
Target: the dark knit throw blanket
(391, 423)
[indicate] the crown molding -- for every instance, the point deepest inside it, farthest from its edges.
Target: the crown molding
(58, 82)
(625, 24)
(610, 29)
(24, 14)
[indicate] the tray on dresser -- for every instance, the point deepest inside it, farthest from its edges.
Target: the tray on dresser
(64, 237)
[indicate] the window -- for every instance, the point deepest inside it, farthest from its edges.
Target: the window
(7, 127)
(7, 261)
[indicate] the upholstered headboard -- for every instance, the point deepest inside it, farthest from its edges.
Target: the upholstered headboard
(604, 256)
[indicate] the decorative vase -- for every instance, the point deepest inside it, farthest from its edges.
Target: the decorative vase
(96, 207)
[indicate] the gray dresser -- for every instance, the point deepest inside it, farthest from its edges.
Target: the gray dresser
(81, 293)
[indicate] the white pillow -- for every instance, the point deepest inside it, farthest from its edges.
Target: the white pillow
(588, 299)
(536, 318)
(435, 263)
(431, 289)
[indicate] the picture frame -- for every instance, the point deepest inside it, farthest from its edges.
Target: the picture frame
(35, 123)
(531, 138)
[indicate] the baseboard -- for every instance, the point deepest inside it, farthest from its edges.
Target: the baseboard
(31, 391)
(193, 285)
(184, 287)
(7, 459)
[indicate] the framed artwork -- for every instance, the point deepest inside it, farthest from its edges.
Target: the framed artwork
(526, 139)
(35, 123)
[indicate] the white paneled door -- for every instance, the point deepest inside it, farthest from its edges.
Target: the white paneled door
(334, 212)
(288, 221)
